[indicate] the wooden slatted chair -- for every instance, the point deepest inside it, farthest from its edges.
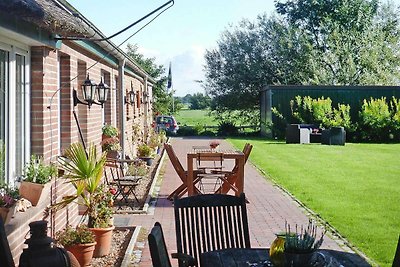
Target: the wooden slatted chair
(231, 176)
(182, 173)
(159, 252)
(396, 260)
(210, 222)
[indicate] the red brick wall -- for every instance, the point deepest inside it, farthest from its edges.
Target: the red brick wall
(49, 69)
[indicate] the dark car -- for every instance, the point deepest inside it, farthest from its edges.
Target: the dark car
(166, 123)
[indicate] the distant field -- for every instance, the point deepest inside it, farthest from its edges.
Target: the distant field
(194, 117)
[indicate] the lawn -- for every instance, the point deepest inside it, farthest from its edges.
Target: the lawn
(194, 117)
(354, 187)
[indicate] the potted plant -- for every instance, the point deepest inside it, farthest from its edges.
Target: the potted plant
(300, 247)
(8, 198)
(111, 146)
(109, 131)
(36, 175)
(85, 172)
(145, 153)
(80, 241)
(138, 169)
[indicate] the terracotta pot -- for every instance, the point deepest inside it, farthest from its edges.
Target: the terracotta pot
(82, 252)
(103, 239)
(6, 214)
(31, 191)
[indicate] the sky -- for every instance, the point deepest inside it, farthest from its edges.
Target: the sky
(180, 35)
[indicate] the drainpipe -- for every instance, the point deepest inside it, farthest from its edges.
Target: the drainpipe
(121, 107)
(146, 106)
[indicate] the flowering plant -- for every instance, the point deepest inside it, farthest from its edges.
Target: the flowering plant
(214, 143)
(36, 171)
(8, 196)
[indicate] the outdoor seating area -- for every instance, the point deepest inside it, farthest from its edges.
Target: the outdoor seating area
(310, 133)
(196, 233)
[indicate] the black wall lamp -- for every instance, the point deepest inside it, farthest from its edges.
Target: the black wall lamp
(89, 92)
(130, 96)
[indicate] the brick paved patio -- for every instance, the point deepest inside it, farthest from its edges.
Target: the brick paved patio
(268, 206)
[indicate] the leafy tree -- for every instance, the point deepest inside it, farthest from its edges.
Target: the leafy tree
(199, 101)
(336, 42)
(162, 99)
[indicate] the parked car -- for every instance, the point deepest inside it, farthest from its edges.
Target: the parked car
(167, 123)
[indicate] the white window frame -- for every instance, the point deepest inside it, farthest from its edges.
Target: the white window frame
(13, 48)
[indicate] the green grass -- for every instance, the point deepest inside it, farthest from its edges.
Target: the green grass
(354, 187)
(194, 117)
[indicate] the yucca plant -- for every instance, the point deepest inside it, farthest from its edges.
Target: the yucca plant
(303, 242)
(84, 171)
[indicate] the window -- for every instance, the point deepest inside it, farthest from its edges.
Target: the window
(14, 110)
(3, 89)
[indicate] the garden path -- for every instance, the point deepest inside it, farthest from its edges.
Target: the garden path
(268, 206)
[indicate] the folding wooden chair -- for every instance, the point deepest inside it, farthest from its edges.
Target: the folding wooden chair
(230, 177)
(115, 177)
(210, 164)
(159, 252)
(210, 222)
(182, 189)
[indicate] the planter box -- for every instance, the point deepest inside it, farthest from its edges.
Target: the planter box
(33, 191)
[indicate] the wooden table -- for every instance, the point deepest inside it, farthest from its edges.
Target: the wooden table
(238, 156)
(250, 257)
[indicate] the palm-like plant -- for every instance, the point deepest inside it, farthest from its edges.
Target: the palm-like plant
(84, 171)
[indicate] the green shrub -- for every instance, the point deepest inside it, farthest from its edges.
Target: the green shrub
(375, 120)
(226, 128)
(207, 133)
(187, 131)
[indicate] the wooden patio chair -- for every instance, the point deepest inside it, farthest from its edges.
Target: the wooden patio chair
(396, 260)
(210, 165)
(115, 177)
(210, 222)
(159, 252)
(230, 177)
(182, 189)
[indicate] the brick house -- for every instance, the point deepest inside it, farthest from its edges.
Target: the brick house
(38, 74)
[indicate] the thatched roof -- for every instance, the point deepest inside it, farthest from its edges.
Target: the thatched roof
(46, 14)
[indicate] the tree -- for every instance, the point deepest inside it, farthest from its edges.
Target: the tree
(162, 99)
(199, 101)
(337, 42)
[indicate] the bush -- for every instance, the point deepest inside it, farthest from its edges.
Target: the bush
(207, 133)
(226, 128)
(187, 131)
(375, 120)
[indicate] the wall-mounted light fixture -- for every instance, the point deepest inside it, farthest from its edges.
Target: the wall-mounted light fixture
(90, 91)
(130, 96)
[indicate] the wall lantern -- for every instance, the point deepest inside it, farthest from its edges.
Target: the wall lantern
(130, 96)
(89, 92)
